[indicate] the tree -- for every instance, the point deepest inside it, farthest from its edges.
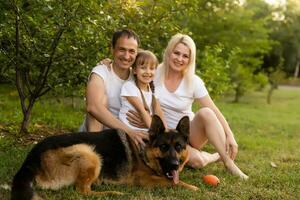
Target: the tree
(234, 26)
(214, 70)
(290, 38)
(42, 42)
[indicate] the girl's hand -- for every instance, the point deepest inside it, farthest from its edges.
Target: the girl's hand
(231, 147)
(135, 119)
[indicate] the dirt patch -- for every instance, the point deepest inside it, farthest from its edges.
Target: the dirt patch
(37, 134)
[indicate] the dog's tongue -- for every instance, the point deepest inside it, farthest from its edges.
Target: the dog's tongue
(175, 175)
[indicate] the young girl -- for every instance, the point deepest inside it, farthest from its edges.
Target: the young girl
(138, 94)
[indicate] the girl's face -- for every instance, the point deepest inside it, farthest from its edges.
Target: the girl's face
(144, 73)
(179, 58)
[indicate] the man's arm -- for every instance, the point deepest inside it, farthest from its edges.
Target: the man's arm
(97, 108)
(96, 103)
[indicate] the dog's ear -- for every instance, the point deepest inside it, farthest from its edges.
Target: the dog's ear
(156, 127)
(183, 126)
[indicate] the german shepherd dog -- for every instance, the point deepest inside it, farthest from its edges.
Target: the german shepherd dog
(109, 156)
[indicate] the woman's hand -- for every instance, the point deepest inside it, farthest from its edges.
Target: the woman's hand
(135, 119)
(105, 61)
(231, 147)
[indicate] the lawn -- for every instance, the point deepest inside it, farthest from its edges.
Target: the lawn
(268, 137)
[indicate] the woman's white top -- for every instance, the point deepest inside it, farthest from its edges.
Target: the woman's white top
(129, 89)
(177, 104)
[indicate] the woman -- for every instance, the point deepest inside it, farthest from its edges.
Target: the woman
(177, 87)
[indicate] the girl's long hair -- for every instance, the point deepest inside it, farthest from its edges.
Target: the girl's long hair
(145, 57)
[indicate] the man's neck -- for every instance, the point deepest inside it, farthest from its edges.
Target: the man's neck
(121, 73)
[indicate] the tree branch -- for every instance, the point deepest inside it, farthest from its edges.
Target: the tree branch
(19, 85)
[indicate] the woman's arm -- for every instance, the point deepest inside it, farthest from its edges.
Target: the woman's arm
(106, 61)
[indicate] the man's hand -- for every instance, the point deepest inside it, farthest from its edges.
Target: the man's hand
(135, 119)
(137, 137)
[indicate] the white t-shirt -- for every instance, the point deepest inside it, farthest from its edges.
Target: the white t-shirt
(177, 104)
(129, 89)
(113, 84)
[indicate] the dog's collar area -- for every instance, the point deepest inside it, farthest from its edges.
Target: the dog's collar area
(143, 156)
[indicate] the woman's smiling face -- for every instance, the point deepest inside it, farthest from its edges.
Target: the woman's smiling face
(179, 58)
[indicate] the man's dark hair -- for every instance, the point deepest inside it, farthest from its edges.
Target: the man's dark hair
(124, 33)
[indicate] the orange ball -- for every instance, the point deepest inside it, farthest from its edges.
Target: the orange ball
(211, 180)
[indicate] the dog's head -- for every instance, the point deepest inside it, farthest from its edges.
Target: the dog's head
(166, 151)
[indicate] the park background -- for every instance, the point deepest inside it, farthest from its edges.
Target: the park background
(248, 54)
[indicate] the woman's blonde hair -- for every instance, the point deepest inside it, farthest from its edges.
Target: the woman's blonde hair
(190, 70)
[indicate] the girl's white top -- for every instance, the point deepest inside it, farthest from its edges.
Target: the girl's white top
(130, 89)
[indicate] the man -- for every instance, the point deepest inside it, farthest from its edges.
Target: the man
(104, 87)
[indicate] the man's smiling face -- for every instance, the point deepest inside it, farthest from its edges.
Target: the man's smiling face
(125, 52)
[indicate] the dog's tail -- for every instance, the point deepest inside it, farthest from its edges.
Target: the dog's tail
(22, 182)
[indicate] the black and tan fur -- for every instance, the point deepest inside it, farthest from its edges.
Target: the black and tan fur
(110, 156)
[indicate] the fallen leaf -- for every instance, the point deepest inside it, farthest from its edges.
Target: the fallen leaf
(273, 164)
(5, 186)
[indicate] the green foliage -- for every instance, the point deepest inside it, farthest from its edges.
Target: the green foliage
(40, 24)
(232, 25)
(287, 33)
(155, 21)
(214, 70)
(260, 80)
(240, 29)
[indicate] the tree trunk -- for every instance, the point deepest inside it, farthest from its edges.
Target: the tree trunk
(237, 95)
(269, 95)
(26, 109)
(273, 86)
(25, 122)
(296, 73)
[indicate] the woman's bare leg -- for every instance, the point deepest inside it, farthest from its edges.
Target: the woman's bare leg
(206, 127)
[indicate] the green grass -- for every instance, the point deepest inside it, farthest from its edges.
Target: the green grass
(49, 111)
(265, 133)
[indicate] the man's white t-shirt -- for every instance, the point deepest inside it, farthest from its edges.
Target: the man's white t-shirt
(113, 84)
(129, 89)
(177, 104)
